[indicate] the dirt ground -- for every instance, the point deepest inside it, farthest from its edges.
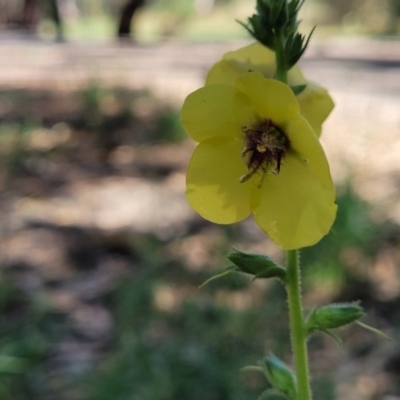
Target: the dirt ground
(361, 138)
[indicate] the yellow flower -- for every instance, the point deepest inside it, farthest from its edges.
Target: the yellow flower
(315, 102)
(257, 154)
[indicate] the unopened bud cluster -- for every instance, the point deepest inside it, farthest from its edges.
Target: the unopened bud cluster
(275, 26)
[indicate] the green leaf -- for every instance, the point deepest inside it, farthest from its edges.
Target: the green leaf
(280, 376)
(259, 265)
(228, 271)
(335, 338)
(269, 393)
(333, 316)
(298, 89)
(251, 368)
(374, 330)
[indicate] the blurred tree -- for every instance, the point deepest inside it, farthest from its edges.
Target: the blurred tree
(30, 15)
(379, 16)
(394, 13)
(126, 16)
(54, 13)
(375, 16)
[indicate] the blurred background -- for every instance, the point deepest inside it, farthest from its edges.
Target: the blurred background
(100, 255)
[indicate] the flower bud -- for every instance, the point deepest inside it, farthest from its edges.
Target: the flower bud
(276, 20)
(261, 266)
(280, 376)
(333, 316)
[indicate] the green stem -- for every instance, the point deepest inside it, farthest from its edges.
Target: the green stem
(281, 72)
(297, 331)
(296, 326)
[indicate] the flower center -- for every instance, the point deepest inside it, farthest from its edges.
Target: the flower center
(265, 146)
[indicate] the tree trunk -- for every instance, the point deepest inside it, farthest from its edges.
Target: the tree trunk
(29, 14)
(55, 15)
(125, 21)
(394, 17)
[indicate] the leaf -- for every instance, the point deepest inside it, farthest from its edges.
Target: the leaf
(374, 330)
(228, 271)
(298, 89)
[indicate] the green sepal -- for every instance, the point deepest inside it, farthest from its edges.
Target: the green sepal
(259, 31)
(269, 393)
(251, 368)
(374, 330)
(295, 46)
(227, 271)
(274, 21)
(334, 337)
(298, 89)
(258, 265)
(333, 316)
(280, 376)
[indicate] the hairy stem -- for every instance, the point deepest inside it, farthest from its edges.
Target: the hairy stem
(281, 71)
(297, 331)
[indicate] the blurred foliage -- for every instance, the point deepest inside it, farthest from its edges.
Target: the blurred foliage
(169, 340)
(357, 16)
(192, 352)
(212, 19)
(26, 339)
(192, 349)
(106, 111)
(103, 118)
(343, 258)
(195, 350)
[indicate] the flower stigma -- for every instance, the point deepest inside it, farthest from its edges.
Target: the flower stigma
(265, 147)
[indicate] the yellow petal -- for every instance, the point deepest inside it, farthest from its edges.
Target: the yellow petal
(315, 106)
(306, 146)
(270, 98)
(224, 72)
(315, 102)
(296, 77)
(252, 58)
(255, 55)
(215, 110)
(212, 181)
(294, 208)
